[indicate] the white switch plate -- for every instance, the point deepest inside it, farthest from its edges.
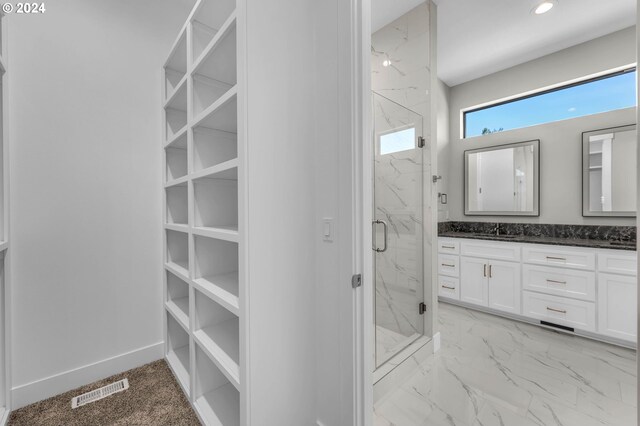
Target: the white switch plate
(327, 229)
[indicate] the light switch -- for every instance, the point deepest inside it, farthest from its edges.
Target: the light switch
(327, 229)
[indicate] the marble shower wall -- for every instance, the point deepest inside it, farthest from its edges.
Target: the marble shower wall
(401, 185)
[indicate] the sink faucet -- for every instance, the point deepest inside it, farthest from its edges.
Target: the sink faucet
(497, 229)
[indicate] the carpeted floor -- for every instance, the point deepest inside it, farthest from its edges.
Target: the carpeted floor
(153, 398)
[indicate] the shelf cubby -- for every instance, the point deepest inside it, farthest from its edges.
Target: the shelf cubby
(178, 352)
(176, 112)
(222, 115)
(176, 163)
(216, 271)
(213, 147)
(216, 398)
(177, 204)
(175, 68)
(178, 252)
(216, 201)
(178, 299)
(207, 21)
(217, 332)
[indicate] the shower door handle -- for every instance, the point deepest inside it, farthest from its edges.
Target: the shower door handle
(385, 230)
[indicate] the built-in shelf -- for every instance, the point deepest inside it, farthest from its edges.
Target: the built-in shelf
(217, 400)
(214, 257)
(178, 299)
(213, 147)
(176, 113)
(217, 332)
(226, 233)
(175, 69)
(178, 141)
(177, 204)
(222, 288)
(208, 21)
(178, 352)
(203, 161)
(215, 73)
(178, 252)
(177, 163)
(216, 200)
(181, 181)
(222, 115)
(595, 168)
(176, 227)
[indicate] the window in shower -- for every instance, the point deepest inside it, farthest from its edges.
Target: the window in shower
(398, 140)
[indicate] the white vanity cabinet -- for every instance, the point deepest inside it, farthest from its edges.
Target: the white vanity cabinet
(617, 294)
(589, 290)
(485, 277)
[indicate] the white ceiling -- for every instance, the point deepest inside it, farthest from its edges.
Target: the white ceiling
(480, 37)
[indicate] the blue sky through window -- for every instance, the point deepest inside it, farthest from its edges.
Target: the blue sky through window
(608, 94)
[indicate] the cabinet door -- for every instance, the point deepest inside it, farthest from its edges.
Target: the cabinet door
(617, 306)
(504, 286)
(473, 280)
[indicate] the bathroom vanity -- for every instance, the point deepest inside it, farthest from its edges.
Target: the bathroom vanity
(578, 285)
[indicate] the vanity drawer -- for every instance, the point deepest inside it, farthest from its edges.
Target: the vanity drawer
(449, 287)
(448, 265)
(491, 250)
(448, 246)
(559, 310)
(560, 282)
(558, 256)
(617, 262)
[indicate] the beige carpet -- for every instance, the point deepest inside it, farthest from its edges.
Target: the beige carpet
(153, 398)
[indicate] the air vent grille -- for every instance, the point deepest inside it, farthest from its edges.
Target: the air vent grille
(103, 392)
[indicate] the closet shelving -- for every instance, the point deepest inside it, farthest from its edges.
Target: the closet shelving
(203, 217)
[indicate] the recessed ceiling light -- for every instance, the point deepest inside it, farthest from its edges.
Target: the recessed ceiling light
(386, 63)
(543, 7)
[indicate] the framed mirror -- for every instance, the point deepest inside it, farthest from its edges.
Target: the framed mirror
(503, 180)
(609, 172)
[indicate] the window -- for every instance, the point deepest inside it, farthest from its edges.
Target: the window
(602, 94)
(398, 140)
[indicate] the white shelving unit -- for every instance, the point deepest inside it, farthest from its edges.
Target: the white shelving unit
(203, 218)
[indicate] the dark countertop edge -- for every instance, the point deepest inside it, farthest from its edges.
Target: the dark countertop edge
(575, 242)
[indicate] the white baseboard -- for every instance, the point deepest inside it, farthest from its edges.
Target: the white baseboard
(59, 383)
(436, 342)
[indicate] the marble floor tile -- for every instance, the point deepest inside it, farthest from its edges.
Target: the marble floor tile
(494, 371)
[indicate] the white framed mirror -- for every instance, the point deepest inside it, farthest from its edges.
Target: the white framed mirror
(503, 180)
(609, 172)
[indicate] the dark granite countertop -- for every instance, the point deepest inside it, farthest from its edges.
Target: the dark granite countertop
(575, 242)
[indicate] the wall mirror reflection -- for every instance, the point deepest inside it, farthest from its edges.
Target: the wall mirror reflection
(609, 172)
(503, 180)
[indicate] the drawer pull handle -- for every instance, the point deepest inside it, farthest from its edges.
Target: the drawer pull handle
(449, 247)
(449, 288)
(556, 282)
(485, 271)
(561, 259)
(448, 265)
(490, 275)
(556, 310)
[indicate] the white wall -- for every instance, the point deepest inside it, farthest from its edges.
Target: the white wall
(299, 164)
(442, 94)
(86, 236)
(561, 147)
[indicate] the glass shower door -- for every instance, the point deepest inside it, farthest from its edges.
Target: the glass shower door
(397, 227)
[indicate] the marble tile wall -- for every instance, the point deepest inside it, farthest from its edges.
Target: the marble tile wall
(401, 99)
